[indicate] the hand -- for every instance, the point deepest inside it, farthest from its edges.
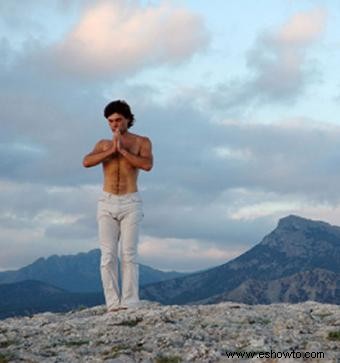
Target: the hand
(113, 146)
(107, 145)
(118, 140)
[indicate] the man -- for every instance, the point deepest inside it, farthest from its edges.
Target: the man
(120, 207)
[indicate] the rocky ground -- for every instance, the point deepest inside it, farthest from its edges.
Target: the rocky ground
(170, 334)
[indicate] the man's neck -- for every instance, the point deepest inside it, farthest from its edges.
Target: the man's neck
(125, 133)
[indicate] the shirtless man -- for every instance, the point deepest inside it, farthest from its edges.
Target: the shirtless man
(120, 208)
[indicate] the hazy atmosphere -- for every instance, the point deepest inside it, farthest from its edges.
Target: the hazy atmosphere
(239, 98)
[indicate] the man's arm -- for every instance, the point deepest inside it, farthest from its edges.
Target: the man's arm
(144, 160)
(101, 151)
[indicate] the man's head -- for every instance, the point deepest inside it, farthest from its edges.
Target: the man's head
(119, 113)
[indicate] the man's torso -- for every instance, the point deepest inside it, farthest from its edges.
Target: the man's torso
(120, 177)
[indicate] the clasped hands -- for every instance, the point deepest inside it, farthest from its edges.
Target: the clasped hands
(117, 144)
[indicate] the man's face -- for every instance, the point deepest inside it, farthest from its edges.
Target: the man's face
(118, 122)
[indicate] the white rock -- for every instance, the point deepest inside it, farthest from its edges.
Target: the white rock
(193, 333)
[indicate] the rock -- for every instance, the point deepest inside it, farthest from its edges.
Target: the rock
(190, 333)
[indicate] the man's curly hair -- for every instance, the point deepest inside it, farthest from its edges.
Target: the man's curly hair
(121, 107)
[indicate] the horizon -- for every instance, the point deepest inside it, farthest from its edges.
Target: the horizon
(169, 270)
(239, 100)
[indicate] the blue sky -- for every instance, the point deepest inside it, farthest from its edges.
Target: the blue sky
(239, 98)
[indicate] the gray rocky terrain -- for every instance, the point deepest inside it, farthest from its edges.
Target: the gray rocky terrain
(169, 334)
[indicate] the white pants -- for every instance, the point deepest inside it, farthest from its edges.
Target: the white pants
(118, 218)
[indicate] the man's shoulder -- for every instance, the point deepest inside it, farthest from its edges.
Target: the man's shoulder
(141, 138)
(104, 141)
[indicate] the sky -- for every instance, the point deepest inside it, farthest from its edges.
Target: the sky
(239, 98)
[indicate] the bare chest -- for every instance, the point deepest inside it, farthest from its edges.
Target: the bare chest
(118, 162)
(132, 146)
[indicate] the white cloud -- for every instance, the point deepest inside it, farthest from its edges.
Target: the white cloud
(20, 236)
(279, 66)
(264, 209)
(279, 58)
(49, 217)
(257, 205)
(303, 27)
(233, 153)
(38, 220)
(193, 211)
(115, 38)
(184, 254)
(321, 211)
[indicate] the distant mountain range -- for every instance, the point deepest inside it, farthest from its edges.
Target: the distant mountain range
(298, 261)
(61, 283)
(30, 296)
(77, 273)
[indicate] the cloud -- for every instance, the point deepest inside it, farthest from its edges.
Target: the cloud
(193, 191)
(117, 38)
(254, 204)
(34, 94)
(32, 100)
(286, 156)
(234, 153)
(303, 28)
(278, 64)
(174, 254)
(81, 228)
(196, 199)
(216, 188)
(37, 220)
(12, 15)
(279, 59)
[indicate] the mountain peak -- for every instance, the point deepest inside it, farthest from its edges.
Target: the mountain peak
(294, 223)
(298, 236)
(292, 218)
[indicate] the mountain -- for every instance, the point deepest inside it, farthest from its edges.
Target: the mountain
(30, 296)
(76, 273)
(316, 285)
(297, 261)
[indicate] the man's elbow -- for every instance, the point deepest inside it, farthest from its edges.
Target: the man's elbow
(148, 167)
(86, 164)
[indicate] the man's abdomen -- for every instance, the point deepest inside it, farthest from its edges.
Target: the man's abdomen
(120, 177)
